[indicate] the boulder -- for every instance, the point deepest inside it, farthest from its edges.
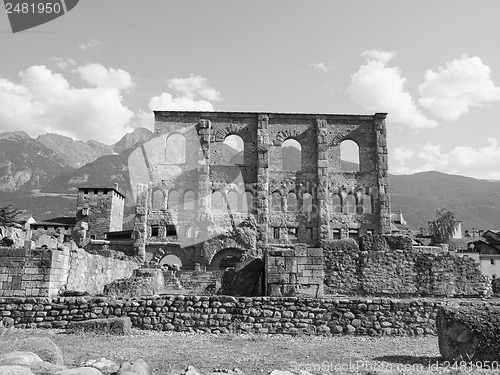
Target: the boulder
(80, 371)
(42, 346)
(104, 365)
(115, 326)
(45, 368)
(137, 366)
(469, 333)
(19, 358)
(15, 370)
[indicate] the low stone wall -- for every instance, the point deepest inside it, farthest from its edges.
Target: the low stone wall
(224, 314)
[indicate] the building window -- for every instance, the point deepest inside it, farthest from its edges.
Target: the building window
(85, 211)
(276, 233)
(46, 228)
(309, 233)
(96, 192)
(292, 233)
(492, 262)
(66, 228)
(155, 230)
(92, 236)
(171, 230)
(85, 192)
(336, 234)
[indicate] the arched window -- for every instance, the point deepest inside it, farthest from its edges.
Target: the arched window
(306, 203)
(170, 259)
(232, 200)
(175, 150)
(276, 201)
(189, 200)
(217, 201)
(350, 204)
(291, 155)
(291, 202)
(337, 204)
(349, 156)
(233, 149)
(173, 200)
(366, 204)
(158, 199)
(247, 203)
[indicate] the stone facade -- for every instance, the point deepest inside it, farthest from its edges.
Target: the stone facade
(101, 208)
(223, 314)
(190, 198)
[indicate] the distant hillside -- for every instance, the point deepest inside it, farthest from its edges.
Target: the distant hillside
(26, 163)
(475, 202)
(105, 171)
(74, 153)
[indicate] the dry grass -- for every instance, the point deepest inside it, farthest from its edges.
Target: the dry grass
(171, 352)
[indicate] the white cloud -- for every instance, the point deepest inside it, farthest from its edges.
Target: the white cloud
(380, 88)
(194, 86)
(321, 66)
(452, 91)
(91, 43)
(166, 102)
(478, 162)
(62, 63)
(99, 76)
(43, 101)
(191, 94)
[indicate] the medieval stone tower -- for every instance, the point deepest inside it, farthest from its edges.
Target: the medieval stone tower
(188, 182)
(101, 208)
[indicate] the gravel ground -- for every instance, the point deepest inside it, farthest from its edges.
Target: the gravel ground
(172, 352)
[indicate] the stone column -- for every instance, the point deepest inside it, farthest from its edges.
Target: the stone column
(204, 129)
(141, 221)
(384, 203)
(322, 189)
(262, 186)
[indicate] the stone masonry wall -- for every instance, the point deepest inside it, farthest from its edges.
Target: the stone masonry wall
(223, 314)
(42, 272)
(294, 272)
(400, 273)
(38, 272)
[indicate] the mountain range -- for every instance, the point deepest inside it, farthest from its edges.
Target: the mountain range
(42, 175)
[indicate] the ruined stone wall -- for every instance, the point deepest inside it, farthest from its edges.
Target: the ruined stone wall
(43, 272)
(223, 314)
(91, 272)
(399, 273)
(294, 272)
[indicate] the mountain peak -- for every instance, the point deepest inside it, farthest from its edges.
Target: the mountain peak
(139, 135)
(15, 135)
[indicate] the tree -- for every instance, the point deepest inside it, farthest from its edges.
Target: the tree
(9, 215)
(441, 229)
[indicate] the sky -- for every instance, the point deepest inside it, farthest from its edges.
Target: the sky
(434, 66)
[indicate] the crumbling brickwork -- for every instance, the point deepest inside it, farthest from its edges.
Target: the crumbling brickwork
(184, 198)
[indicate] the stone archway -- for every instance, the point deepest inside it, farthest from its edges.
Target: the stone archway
(170, 259)
(225, 258)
